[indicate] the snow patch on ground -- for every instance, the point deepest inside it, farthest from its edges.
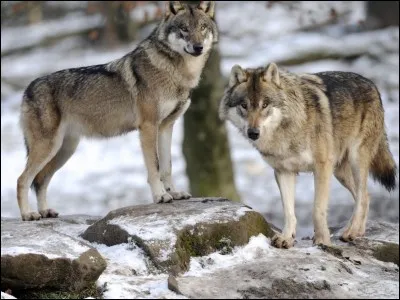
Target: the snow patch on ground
(258, 246)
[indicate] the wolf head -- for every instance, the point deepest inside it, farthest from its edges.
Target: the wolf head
(255, 100)
(187, 29)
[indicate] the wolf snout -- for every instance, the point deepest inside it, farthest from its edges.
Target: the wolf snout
(198, 48)
(253, 133)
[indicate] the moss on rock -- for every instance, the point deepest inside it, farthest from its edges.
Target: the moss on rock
(205, 238)
(91, 291)
(387, 252)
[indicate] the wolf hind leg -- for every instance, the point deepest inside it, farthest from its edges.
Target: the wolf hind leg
(344, 175)
(41, 150)
(360, 168)
(42, 179)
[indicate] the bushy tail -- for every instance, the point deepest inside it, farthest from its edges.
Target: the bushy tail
(383, 166)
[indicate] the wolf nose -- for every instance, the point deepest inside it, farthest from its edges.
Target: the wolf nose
(253, 133)
(198, 48)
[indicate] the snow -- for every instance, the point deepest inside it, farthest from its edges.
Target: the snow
(37, 249)
(129, 273)
(11, 38)
(149, 287)
(133, 258)
(242, 211)
(46, 243)
(6, 296)
(258, 246)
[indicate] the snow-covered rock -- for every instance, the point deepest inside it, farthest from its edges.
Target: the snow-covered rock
(170, 234)
(366, 268)
(34, 255)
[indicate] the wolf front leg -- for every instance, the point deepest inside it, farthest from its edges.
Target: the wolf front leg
(286, 183)
(322, 178)
(149, 140)
(164, 151)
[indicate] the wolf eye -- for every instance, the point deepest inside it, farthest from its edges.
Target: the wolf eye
(184, 28)
(244, 105)
(203, 27)
(264, 105)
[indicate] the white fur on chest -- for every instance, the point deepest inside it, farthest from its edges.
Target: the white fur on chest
(301, 162)
(166, 107)
(194, 67)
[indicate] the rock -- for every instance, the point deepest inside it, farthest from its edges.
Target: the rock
(36, 256)
(173, 284)
(388, 252)
(172, 233)
(382, 241)
(345, 270)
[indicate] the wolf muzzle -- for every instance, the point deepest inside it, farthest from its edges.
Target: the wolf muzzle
(253, 133)
(195, 49)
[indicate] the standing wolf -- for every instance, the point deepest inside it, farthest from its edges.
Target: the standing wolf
(326, 123)
(147, 89)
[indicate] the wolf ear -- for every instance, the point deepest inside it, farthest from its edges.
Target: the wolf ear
(208, 7)
(238, 75)
(172, 7)
(271, 74)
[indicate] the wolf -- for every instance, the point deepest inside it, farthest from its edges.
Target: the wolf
(145, 90)
(327, 123)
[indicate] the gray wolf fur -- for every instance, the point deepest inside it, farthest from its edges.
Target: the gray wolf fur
(326, 123)
(147, 89)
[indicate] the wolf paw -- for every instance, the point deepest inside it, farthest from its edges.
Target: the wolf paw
(165, 198)
(179, 195)
(48, 213)
(281, 241)
(31, 216)
(321, 240)
(350, 235)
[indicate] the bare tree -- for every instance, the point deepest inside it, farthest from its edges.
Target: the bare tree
(382, 13)
(205, 145)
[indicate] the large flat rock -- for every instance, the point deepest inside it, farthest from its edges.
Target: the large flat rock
(34, 255)
(172, 233)
(345, 270)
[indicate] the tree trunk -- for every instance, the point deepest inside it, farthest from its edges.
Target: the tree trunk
(382, 13)
(205, 144)
(119, 25)
(35, 14)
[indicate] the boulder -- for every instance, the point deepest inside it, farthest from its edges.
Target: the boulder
(343, 270)
(36, 256)
(172, 233)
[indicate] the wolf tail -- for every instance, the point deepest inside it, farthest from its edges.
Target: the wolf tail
(383, 167)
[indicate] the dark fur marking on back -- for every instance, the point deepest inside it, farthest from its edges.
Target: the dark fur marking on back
(93, 70)
(29, 92)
